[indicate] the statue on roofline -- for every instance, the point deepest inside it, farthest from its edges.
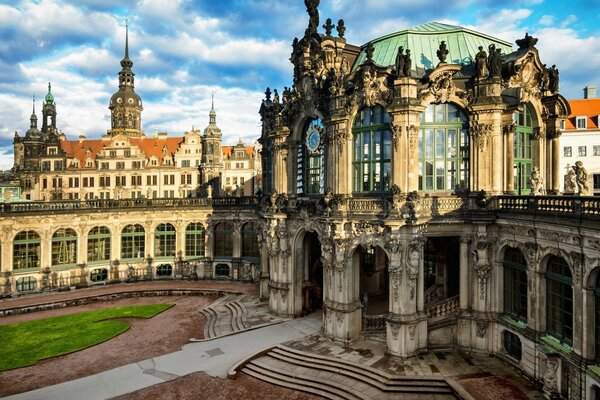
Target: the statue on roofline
(553, 79)
(400, 61)
(313, 14)
(481, 63)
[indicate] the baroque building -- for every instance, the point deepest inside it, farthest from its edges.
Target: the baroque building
(125, 163)
(402, 184)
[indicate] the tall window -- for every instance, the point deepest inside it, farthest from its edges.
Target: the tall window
(559, 300)
(194, 240)
(133, 242)
(26, 250)
(310, 178)
(164, 240)
(98, 245)
(250, 241)
(515, 284)
(443, 149)
(223, 239)
(372, 150)
(522, 150)
(64, 247)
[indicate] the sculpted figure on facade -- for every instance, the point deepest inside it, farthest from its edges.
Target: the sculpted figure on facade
(581, 178)
(550, 374)
(481, 63)
(494, 61)
(553, 79)
(481, 264)
(400, 62)
(413, 261)
(313, 14)
(407, 63)
(536, 182)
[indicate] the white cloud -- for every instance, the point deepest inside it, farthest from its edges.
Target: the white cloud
(547, 20)
(568, 21)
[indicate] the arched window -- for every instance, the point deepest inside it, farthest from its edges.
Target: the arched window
(164, 241)
(310, 179)
(99, 275)
(194, 240)
(164, 270)
(133, 242)
(372, 167)
(223, 240)
(522, 150)
(26, 250)
(443, 149)
(98, 245)
(515, 284)
(64, 247)
(250, 241)
(559, 300)
(26, 284)
(597, 332)
(222, 270)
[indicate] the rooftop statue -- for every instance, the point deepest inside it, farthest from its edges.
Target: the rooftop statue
(527, 42)
(328, 26)
(313, 13)
(494, 61)
(400, 61)
(581, 178)
(370, 51)
(407, 63)
(553, 79)
(481, 63)
(341, 28)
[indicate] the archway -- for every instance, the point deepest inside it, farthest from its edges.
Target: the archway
(373, 288)
(310, 265)
(442, 269)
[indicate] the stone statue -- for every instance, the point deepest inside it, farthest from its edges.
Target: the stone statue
(400, 61)
(570, 181)
(494, 61)
(370, 51)
(581, 178)
(481, 63)
(553, 79)
(209, 190)
(313, 14)
(407, 63)
(442, 52)
(536, 182)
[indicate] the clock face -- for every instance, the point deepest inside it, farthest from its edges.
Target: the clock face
(313, 140)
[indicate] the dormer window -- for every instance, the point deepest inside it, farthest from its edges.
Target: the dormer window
(51, 150)
(581, 122)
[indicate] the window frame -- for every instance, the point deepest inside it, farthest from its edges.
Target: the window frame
(99, 236)
(136, 242)
(250, 248)
(66, 237)
(165, 241)
(195, 240)
(223, 240)
(515, 274)
(31, 243)
(559, 296)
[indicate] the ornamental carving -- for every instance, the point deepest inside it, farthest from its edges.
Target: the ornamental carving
(396, 134)
(481, 263)
(480, 134)
(481, 328)
(509, 128)
(413, 259)
(539, 133)
(594, 244)
(527, 77)
(413, 138)
(396, 278)
(578, 265)
(336, 134)
(443, 87)
(553, 133)
(550, 377)
(412, 328)
(395, 328)
(371, 89)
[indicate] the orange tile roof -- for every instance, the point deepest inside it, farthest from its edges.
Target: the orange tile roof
(228, 150)
(589, 108)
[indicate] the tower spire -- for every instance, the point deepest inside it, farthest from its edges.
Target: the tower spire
(126, 38)
(33, 112)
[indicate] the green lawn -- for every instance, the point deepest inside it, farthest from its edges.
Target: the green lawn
(26, 343)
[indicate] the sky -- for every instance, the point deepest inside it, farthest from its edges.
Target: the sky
(186, 50)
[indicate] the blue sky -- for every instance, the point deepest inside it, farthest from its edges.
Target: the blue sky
(183, 50)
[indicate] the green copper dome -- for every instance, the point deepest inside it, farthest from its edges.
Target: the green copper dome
(423, 41)
(49, 97)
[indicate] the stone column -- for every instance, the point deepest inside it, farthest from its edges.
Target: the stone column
(588, 333)
(497, 155)
(510, 160)
(464, 274)
(406, 327)
(46, 249)
(555, 164)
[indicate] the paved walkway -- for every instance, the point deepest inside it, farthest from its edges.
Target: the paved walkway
(214, 357)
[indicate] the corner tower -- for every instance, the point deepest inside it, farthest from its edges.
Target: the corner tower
(125, 105)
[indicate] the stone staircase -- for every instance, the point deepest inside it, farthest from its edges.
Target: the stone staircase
(235, 313)
(334, 378)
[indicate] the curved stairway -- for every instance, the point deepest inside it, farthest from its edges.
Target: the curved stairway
(236, 313)
(334, 378)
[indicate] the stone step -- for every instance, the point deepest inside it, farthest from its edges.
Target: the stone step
(370, 376)
(211, 319)
(225, 316)
(293, 380)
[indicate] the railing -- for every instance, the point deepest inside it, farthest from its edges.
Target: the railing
(374, 322)
(444, 309)
(433, 293)
(369, 205)
(566, 206)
